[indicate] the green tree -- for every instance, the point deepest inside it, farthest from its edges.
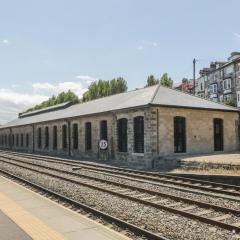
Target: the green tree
(62, 97)
(151, 80)
(229, 102)
(103, 88)
(166, 81)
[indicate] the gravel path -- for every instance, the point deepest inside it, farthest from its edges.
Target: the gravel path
(172, 226)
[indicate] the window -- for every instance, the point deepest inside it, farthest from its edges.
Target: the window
(139, 135)
(9, 140)
(55, 137)
(213, 88)
(6, 143)
(201, 86)
(227, 97)
(122, 134)
(21, 140)
(179, 134)
(64, 136)
(88, 136)
(229, 69)
(46, 137)
(227, 84)
(13, 140)
(103, 130)
(27, 140)
(39, 137)
(218, 134)
(75, 136)
(17, 140)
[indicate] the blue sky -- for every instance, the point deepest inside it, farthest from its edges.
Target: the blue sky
(50, 46)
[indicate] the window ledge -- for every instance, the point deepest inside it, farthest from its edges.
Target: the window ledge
(138, 154)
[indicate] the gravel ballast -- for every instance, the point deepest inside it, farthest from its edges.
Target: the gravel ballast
(158, 221)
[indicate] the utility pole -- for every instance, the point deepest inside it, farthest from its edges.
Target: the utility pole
(194, 76)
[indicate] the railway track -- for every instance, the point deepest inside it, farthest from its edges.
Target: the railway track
(75, 205)
(219, 216)
(173, 181)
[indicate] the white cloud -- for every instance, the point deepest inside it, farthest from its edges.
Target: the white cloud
(12, 102)
(146, 44)
(5, 41)
(46, 87)
(79, 86)
(236, 35)
(19, 98)
(86, 78)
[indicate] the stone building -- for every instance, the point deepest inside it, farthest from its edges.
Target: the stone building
(141, 127)
(221, 80)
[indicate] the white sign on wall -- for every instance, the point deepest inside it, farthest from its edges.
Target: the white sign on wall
(103, 144)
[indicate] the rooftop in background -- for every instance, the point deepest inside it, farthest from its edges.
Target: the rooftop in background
(150, 96)
(47, 109)
(214, 66)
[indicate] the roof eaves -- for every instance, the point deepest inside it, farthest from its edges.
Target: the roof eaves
(86, 115)
(200, 108)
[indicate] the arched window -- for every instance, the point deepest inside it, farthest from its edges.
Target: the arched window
(122, 134)
(9, 140)
(39, 137)
(55, 135)
(88, 136)
(64, 136)
(179, 134)
(103, 130)
(17, 140)
(218, 134)
(27, 140)
(46, 137)
(22, 140)
(13, 140)
(139, 134)
(75, 136)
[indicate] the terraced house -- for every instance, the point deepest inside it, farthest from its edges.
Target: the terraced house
(141, 127)
(221, 81)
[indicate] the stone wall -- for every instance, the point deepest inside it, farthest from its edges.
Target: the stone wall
(158, 136)
(199, 130)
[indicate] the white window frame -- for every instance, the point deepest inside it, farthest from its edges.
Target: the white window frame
(227, 84)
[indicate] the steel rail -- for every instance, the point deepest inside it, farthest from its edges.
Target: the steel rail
(144, 175)
(111, 219)
(159, 174)
(139, 200)
(173, 197)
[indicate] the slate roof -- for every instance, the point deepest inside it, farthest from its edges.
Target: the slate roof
(47, 109)
(154, 95)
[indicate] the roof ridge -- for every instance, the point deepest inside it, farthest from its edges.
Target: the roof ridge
(136, 89)
(155, 92)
